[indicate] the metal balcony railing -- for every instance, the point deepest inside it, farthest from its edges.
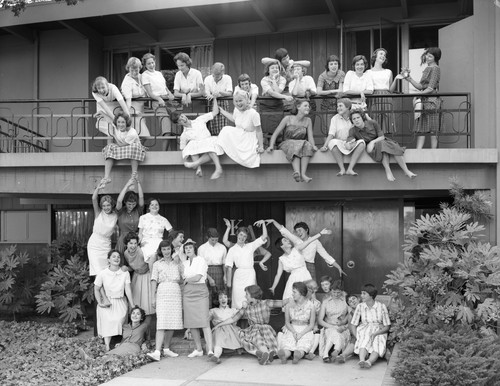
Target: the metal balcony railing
(68, 125)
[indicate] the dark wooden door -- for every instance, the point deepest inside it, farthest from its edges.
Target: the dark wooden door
(371, 238)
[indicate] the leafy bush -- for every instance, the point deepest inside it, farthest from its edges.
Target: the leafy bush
(68, 285)
(18, 284)
(448, 277)
(43, 354)
(448, 358)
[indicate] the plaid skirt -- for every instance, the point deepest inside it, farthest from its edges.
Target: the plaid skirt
(134, 151)
(216, 272)
(382, 110)
(430, 120)
(219, 121)
(258, 335)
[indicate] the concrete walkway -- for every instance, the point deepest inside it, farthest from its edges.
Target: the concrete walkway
(244, 370)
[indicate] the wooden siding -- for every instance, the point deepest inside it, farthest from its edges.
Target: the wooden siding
(243, 55)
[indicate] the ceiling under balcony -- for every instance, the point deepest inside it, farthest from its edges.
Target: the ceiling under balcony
(211, 19)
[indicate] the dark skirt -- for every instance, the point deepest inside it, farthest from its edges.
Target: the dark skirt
(195, 305)
(296, 148)
(387, 146)
(271, 114)
(382, 111)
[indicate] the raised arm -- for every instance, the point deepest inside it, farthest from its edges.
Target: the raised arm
(225, 238)
(119, 200)
(324, 231)
(226, 114)
(95, 202)
(267, 255)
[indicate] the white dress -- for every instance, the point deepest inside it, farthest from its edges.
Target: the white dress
(240, 143)
(244, 275)
(296, 265)
(99, 243)
(197, 139)
(110, 320)
(339, 128)
(152, 233)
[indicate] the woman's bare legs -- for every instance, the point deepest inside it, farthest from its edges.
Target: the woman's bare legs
(283, 355)
(434, 142)
(195, 332)
(401, 162)
(387, 167)
(296, 169)
(218, 168)
(207, 333)
(304, 162)
(420, 142)
(354, 159)
(339, 158)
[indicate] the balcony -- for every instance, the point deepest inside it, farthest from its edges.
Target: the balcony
(52, 147)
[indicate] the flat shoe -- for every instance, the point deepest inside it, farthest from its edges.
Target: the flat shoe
(195, 354)
(326, 359)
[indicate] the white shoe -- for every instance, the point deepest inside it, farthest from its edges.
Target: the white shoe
(154, 355)
(195, 354)
(168, 353)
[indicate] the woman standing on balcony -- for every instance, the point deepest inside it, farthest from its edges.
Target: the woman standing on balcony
(382, 85)
(128, 214)
(252, 90)
(330, 83)
(99, 243)
(151, 228)
(188, 82)
(377, 146)
(298, 144)
(429, 120)
(156, 87)
(127, 146)
(273, 86)
(302, 86)
(243, 143)
(105, 93)
(358, 83)
(132, 88)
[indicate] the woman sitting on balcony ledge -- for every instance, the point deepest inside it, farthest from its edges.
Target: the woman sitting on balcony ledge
(298, 144)
(127, 146)
(377, 146)
(197, 143)
(337, 139)
(104, 93)
(243, 143)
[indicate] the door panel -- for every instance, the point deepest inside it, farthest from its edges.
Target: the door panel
(319, 215)
(371, 241)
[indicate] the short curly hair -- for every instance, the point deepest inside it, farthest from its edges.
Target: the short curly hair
(183, 57)
(254, 291)
(356, 59)
(121, 114)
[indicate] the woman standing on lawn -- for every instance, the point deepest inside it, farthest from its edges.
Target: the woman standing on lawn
(112, 308)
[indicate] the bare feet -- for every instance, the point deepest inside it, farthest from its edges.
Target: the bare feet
(306, 178)
(104, 182)
(411, 174)
(390, 176)
(350, 172)
(341, 173)
(296, 176)
(216, 174)
(190, 165)
(199, 172)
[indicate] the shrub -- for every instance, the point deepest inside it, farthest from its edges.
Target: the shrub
(18, 283)
(448, 277)
(68, 285)
(43, 354)
(448, 358)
